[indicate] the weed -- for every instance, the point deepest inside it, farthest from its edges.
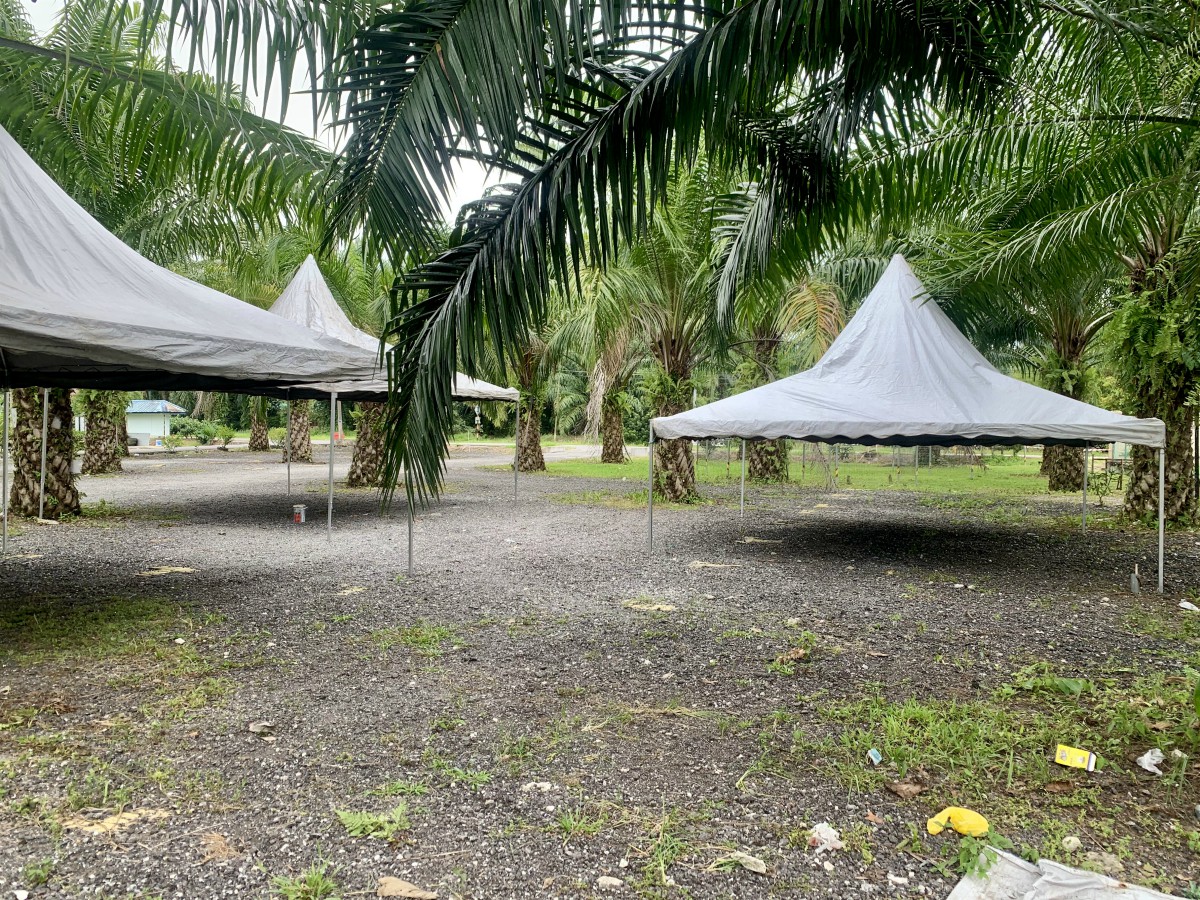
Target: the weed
(578, 823)
(425, 639)
(314, 883)
(375, 825)
(473, 778)
(35, 874)
(402, 789)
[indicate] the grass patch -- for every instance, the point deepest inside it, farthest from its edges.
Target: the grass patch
(385, 826)
(472, 778)
(402, 789)
(578, 822)
(425, 639)
(51, 628)
(314, 883)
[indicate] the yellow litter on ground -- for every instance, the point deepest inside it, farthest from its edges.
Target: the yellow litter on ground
(964, 821)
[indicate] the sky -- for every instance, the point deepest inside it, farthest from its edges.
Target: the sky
(469, 184)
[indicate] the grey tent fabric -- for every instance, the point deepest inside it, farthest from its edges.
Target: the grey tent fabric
(901, 373)
(80, 308)
(308, 301)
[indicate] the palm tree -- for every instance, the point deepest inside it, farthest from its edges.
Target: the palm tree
(61, 496)
(1088, 171)
(588, 108)
(104, 439)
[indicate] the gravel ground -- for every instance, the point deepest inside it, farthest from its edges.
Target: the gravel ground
(552, 704)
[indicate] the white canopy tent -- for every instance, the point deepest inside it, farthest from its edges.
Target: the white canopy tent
(307, 301)
(80, 308)
(901, 373)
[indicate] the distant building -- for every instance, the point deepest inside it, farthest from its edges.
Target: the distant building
(149, 420)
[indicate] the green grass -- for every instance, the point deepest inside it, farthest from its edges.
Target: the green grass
(375, 825)
(1003, 476)
(425, 639)
(314, 883)
(40, 628)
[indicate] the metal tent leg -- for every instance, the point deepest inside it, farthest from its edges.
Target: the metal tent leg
(4, 497)
(743, 512)
(1162, 471)
(517, 449)
(1085, 478)
(650, 494)
(332, 416)
(287, 445)
(410, 539)
(916, 466)
(45, 430)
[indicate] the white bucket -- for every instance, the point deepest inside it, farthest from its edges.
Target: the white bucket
(298, 512)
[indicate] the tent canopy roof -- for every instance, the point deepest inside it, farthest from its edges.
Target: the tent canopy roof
(902, 373)
(80, 308)
(308, 301)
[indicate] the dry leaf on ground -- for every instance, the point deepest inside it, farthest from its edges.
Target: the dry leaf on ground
(701, 564)
(748, 862)
(1059, 787)
(217, 848)
(908, 788)
(165, 570)
(115, 822)
(793, 655)
(398, 887)
(353, 589)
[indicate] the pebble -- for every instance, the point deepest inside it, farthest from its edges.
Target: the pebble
(608, 883)
(1071, 843)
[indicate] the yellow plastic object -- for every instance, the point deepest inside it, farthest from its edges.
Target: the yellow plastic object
(964, 821)
(1075, 758)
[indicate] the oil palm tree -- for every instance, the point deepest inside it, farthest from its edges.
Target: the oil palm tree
(587, 108)
(1088, 171)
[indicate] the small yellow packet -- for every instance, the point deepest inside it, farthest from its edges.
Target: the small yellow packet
(1075, 758)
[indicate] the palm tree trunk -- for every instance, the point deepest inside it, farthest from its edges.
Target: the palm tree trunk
(767, 461)
(674, 469)
(529, 436)
(1141, 500)
(61, 494)
(612, 431)
(300, 436)
(104, 412)
(1063, 466)
(366, 468)
(260, 440)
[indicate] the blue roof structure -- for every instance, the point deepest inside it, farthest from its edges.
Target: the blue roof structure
(155, 406)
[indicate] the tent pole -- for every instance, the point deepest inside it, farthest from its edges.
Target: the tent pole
(916, 466)
(4, 497)
(45, 428)
(517, 449)
(287, 444)
(1162, 468)
(332, 416)
(1085, 477)
(743, 513)
(650, 494)
(410, 537)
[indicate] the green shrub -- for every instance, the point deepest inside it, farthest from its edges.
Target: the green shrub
(225, 435)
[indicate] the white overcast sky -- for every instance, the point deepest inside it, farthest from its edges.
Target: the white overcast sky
(469, 185)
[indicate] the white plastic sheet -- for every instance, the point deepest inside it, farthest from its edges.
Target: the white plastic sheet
(1012, 878)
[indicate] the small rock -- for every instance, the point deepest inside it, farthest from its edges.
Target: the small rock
(1071, 843)
(827, 866)
(897, 879)
(959, 586)
(1106, 862)
(21, 895)
(543, 786)
(608, 883)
